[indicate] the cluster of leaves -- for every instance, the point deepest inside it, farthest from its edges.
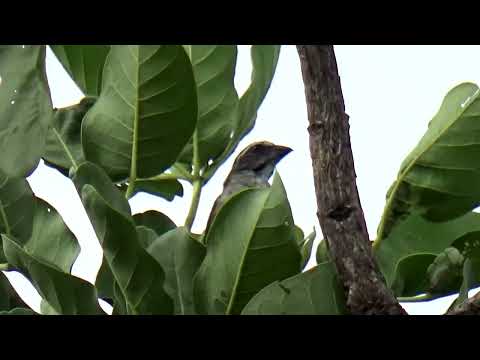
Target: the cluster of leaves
(153, 115)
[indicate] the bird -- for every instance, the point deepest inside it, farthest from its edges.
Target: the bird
(252, 168)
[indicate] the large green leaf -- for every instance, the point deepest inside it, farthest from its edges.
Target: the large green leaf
(105, 281)
(149, 221)
(51, 250)
(51, 239)
(146, 112)
(214, 70)
(138, 275)
(64, 148)
(25, 108)
(16, 208)
(91, 174)
(180, 256)
(67, 294)
(84, 63)
(251, 243)
(415, 236)
(264, 63)
(314, 292)
(439, 178)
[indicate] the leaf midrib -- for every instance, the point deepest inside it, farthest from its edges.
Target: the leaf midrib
(5, 219)
(133, 166)
(412, 163)
(65, 148)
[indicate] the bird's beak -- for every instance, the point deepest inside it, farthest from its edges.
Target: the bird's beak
(281, 152)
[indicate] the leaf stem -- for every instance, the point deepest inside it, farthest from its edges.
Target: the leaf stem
(197, 184)
(130, 188)
(4, 219)
(183, 172)
(133, 167)
(197, 190)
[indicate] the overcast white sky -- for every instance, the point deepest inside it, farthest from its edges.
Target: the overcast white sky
(391, 92)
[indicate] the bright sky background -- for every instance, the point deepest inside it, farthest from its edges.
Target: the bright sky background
(391, 93)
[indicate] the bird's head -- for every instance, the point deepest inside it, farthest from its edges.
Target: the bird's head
(261, 158)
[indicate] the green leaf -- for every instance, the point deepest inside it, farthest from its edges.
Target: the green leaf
(415, 235)
(469, 245)
(89, 173)
(306, 248)
(46, 308)
(250, 237)
(180, 256)
(410, 275)
(152, 220)
(19, 311)
(67, 294)
(264, 63)
(314, 292)
(50, 251)
(16, 208)
(139, 277)
(84, 63)
(165, 188)
(299, 236)
(104, 282)
(51, 240)
(158, 222)
(146, 236)
(64, 148)
(439, 178)
(445, 272)
(120, 306)
(322, 252)
(214, 70)
(25, 108)
(146, 112)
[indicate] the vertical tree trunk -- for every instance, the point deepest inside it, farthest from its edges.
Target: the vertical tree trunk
(339, 210)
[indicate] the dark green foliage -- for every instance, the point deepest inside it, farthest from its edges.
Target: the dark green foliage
(155, 115)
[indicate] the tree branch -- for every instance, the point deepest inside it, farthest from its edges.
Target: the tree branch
(339, 210)
(469, 307)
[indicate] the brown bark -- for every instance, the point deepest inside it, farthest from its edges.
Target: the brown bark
(469, 307)
(339, 210)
